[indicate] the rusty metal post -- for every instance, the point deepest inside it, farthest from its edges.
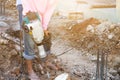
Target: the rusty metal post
(102, 66)
(106, 66)
(97, 66)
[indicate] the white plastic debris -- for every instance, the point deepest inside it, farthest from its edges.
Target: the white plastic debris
(63, 76)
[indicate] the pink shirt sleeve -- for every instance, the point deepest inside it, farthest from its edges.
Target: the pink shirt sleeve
(44, 8)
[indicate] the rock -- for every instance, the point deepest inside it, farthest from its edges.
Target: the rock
(93, 58)
(111, 76)
(3, 24)
(103, 27)
(117, 77)
(113, 26)
(3, 18)
(3, 41)
(116, 61)
(110, 36)
(90, 45)
(13, 52)
(16, 26)
(113, 72)
(64, 76)
(16, 71)
(90, 28)
(119, 70)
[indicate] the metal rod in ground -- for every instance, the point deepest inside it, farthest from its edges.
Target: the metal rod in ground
(97, 66)
(102, 66)
(106, 67)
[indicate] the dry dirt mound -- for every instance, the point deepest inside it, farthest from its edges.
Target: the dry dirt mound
(81, 27)
(92, 36)
(78, 32)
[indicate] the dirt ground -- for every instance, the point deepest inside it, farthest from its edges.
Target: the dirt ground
(75, 44)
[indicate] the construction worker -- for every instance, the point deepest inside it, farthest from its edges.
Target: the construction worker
(44, 9)
(27, 40)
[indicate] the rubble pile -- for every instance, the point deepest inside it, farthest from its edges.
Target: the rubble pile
(9, 58)
(92, 37)
(13, 64)
(10, 4)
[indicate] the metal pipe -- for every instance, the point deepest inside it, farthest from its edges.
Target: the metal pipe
(106, 67)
